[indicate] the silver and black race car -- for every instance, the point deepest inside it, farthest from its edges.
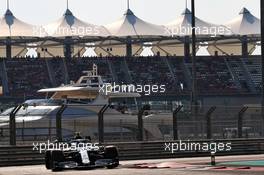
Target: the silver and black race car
(81, 154)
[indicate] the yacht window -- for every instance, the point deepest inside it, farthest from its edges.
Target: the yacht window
(94, 80)
(90, 81)
(84, 81)
(43, 102)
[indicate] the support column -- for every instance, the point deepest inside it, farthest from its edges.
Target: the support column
(8, 48)
(244, 46)
(4, 76)
(187, 47)
(68, 48)
(128, 47)
(12, 125)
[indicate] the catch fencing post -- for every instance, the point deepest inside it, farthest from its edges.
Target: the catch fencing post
(101, 124)
(209, 122)
(140, 122)
(240, 122)
(58, 122)
(23, 131)
(175, 122)
(12, 125)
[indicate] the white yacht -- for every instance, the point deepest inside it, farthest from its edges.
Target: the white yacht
(84, 99)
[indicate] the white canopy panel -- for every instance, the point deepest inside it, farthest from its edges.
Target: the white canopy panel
(131, 25)
(182, 26)
(69, 25)
(10, 26)
(244, 24)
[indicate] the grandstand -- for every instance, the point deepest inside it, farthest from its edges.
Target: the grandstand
(59, 55)
(219, 75)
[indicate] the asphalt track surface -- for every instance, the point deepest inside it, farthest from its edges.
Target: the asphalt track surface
(183, 166)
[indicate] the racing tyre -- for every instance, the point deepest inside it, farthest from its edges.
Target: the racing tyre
(56, 157)
(48, 160)
(111, 152)
(112, 166)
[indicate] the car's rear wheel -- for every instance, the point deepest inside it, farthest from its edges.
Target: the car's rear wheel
(111, 152)
(48, 160)
(56, 157)
(112, 166)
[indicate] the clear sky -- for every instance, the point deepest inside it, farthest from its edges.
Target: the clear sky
(106, 11)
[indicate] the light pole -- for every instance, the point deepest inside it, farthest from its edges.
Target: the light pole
(262, 62)
(194, 105)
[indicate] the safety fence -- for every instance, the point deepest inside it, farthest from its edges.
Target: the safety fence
(146, 125)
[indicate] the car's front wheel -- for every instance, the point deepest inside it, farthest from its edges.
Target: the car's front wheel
(56, 158)
(48, 160)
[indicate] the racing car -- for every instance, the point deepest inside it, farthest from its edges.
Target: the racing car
(81, 157)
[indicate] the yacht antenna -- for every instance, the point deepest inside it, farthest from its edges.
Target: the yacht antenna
(95, 70)
(7, 4)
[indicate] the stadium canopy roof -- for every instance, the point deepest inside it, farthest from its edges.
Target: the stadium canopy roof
(244, 24)
(111, 39)
(131, 25)
(10, 26)
(182, 26)
(69, 25)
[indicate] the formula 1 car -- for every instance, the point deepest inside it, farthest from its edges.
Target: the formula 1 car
(81, 157)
